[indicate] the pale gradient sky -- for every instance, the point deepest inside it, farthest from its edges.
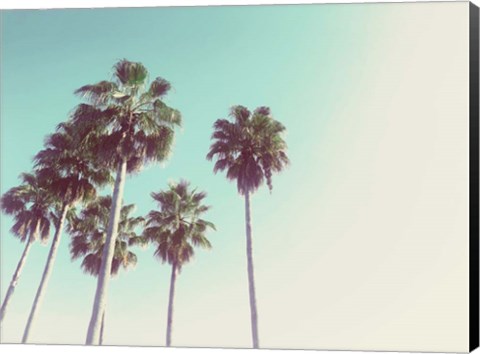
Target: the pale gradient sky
(363, 242)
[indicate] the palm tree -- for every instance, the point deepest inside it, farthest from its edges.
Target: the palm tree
(89, 231)
(68, 164)
(29, 205)
(249, 147)
(175, 230)
(133, 126)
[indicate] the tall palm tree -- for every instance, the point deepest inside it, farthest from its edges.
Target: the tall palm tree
(250, 148)
(29, 204)
(133, 126)
(69, 165)
(175, 230)
(89, 231)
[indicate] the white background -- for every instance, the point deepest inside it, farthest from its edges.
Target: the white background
(26, 4)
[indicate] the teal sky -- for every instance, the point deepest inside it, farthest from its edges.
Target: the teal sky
(312, 64)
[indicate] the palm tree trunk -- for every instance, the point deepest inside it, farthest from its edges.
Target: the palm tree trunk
(251, 280)
(18, 271)
(102, 329)
(100, 301)
(46, 274)
(173, 279)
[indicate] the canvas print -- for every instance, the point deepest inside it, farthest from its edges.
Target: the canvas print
(282, 177)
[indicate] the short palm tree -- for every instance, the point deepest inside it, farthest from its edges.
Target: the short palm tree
(68, 164)
(132, 126)
(29, 204)
(89, 231)
(175, 230)
(250, 148)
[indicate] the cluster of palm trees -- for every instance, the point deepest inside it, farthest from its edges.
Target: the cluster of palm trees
(121, 126)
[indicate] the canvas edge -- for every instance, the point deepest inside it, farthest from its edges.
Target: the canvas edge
(474, 179)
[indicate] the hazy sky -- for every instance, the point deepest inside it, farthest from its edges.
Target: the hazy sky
(363, 242)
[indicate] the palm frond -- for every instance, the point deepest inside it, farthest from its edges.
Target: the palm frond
(99, 94)
(159, 87)
(130, 73)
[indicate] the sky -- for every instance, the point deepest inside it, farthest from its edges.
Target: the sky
(361, 244)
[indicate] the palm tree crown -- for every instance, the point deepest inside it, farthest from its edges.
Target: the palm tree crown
(67, 161)
(178, 227)
(89, 232)
(29, 204)
(250, 147)
(130, 121)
